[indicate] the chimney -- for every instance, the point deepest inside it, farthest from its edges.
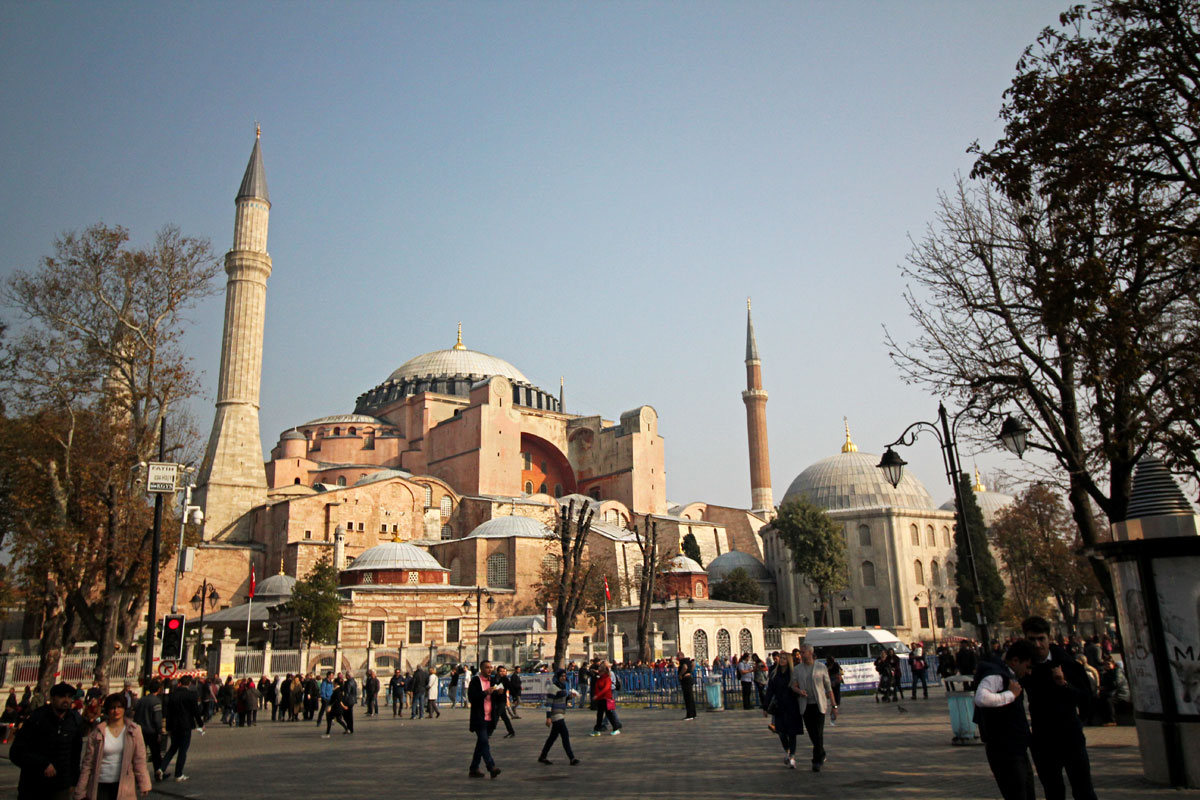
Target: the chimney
(339, 548)
(549, 620)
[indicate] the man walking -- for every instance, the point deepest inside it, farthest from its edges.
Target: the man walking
(431, 694)
(810, 680)
(1058, 690)
(326, 694)
(514, 690)
(1000, 712)
(420, 685)
(396, 684)
(500, 703)
(183, 714)
(480, 694)
(148, 714)
(556, 719)
(918, 665)
(745, 672)
(350, 694)
(48, 747)
(371, 689)
(687, 682)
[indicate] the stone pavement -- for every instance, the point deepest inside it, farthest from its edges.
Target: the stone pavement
(875, 751)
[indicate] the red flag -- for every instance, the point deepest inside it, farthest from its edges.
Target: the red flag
(251, 580)
(607, 596)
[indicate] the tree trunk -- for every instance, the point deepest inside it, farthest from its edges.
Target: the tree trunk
(51, 642)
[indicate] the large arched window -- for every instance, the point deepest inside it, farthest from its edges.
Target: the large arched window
(745, 641)
(724, 644)
(864, 535)
(700, 646)
(528, 487)
(919, 572)
(930, 538)
(429, 497)
(447, 505)
(935, 573)
(868, 573)
(497, 570)
(915, 533)
(341, 480)
(945, 536)
(550, 564)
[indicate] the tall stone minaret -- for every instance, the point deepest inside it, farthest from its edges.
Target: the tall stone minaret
(755, 398)
(232, 479)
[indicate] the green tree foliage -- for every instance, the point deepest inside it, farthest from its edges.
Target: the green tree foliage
(1068, 261)
(737, 587)
(691, 548)
(316, 603)
(816, 545)
(991, 587)
(1040, 547)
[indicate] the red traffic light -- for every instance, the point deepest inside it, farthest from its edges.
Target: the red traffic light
(173, 623)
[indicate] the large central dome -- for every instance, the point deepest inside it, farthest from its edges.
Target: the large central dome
(853, 480)
(455, 361)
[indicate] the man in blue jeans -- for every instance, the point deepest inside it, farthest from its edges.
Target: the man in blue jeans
(480, 694)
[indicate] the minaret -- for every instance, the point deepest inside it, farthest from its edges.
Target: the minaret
(232, 478)
(755, 397)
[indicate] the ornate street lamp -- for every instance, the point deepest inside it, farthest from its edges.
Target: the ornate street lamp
(480, 593)
(1014, 436)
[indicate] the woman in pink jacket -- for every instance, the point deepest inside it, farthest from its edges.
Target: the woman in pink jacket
(114, 757)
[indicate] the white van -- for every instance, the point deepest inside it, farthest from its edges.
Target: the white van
(853, 642)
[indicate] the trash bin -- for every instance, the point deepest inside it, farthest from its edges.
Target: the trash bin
(713, 695)
(961, 699)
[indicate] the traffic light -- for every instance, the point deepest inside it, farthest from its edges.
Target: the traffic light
(172, 637)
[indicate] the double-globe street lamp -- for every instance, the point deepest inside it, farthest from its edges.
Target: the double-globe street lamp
(204, 597)
(480, 593)
(932, 594)
(1013, 435)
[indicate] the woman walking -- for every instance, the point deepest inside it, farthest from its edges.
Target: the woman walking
(114, 758)
(783, 703)
(603, 701)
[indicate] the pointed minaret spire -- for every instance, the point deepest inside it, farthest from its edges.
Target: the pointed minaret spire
(562, 404)
(755, 398)
(232, 479)
(459, 345)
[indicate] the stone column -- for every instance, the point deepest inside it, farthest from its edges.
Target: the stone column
(616, 646)
(267, 657)
(656, 641)
(221, 657)
(370, 655)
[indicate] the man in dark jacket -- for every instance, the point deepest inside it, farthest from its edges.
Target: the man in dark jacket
(514, 691)
(371, 690)
(1000, 713)
(1058, 693)
(182, 713)
(397, 684)
(480, 694)
(420, 686)
(148, 714)
(500, 703)
(966, 660)
(48, 748)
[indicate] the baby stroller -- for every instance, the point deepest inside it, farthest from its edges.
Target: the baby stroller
(885, 691)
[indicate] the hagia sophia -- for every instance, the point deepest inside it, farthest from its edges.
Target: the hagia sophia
(436, 498)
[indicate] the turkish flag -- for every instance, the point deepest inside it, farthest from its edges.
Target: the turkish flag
(251, 580)
(607, 596)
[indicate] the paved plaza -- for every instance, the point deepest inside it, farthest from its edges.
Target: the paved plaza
(875, 751)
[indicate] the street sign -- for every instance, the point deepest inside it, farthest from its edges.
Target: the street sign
(161, 478)
(167, 668)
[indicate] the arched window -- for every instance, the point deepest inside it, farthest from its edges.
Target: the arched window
(723, 644)
(700, 646)
(919, 572)
(446, 532)
(550, 564)
(945, 536)
(341, 480)
(528, 487)
(699, 589)
(594, 492)
(930, 538)
(429, 497)
(337, 431)
(745, 641)
(935, 573)
(915, 533)
(864, 535)
(542, 489)
(296, 480)
(447, 505)
(868, 573)
(558, 490)
(497, 570)
(352, 431)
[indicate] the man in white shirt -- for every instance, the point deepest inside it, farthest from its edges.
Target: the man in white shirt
(1000, 712)
(810, 680)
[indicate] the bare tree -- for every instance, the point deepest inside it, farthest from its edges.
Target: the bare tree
(647, 541)
(94, 367)
(574, 575)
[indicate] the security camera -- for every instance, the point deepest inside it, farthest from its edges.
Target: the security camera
(197, 516)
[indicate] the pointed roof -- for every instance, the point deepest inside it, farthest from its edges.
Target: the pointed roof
(1155, 492)
(751, 345)
(254, 182)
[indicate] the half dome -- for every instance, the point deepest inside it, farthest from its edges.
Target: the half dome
(854, 480)
(509, 527)
(395, 555)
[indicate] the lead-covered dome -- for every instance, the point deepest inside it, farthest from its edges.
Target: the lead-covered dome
(276, 586)
(854, 480)
(681, 564)
(452, 362)
(990, 503)
(395, 555)
(509, 527)
(720, 567)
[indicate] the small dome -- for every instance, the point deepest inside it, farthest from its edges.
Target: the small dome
(382, 475)
(293, 434)
(720, 567)
(276, 586)
(684, 565)
(854, 480)
(343, 419)
(508, 527)
(990, 503)
(395, 555)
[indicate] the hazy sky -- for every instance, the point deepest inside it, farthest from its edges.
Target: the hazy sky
(592, 189)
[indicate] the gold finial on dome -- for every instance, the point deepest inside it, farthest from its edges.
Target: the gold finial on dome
(849, 446)
(396, 536)
(459, 345)
(281, 565)
(979, 487)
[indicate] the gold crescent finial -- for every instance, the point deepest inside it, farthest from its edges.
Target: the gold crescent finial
(257, 130)
(459, 345)
(849, 446)
(747, 303)
(979, 487)
(560, 381)
(281, 565)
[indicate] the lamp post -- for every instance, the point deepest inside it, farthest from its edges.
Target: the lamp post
(206, 595)
(1013, 435)
(516, 650)
(679, 623)
(432, 655)
(197, 516)
(928, 592)
(480, 593)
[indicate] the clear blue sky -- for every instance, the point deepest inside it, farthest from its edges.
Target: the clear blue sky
(593, 189)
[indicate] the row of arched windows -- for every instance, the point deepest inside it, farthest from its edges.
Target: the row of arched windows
(930, 536)
(724, 643)
(867, 572)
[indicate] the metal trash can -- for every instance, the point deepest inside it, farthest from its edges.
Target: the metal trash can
(713, 696)
(961, 698)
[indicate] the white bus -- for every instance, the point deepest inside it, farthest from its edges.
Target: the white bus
(853, 642)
